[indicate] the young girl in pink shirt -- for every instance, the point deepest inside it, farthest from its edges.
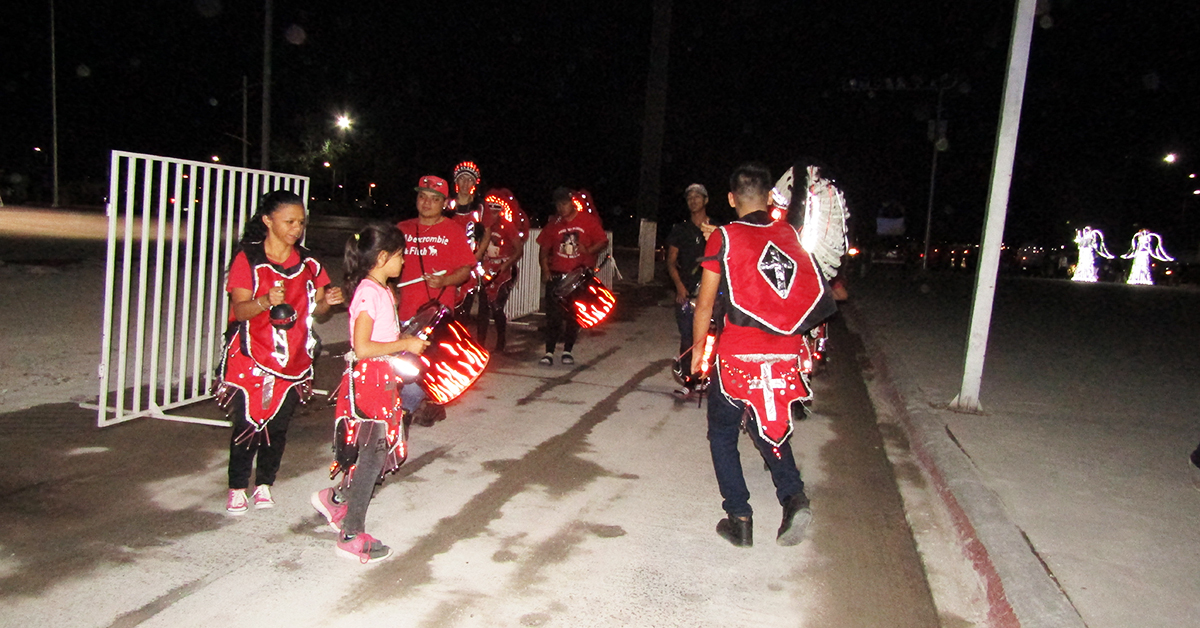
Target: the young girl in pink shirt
(370, 434)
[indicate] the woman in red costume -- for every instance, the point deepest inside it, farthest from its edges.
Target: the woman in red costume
(276, 290)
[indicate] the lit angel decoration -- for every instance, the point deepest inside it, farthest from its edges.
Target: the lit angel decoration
(1091, 244)
(1145, 245)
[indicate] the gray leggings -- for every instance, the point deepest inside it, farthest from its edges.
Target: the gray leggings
(372, 451)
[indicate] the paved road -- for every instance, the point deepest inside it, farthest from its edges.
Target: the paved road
(1078, 466)
(554, 497)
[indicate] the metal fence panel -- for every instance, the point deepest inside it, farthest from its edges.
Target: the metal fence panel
(172, 228)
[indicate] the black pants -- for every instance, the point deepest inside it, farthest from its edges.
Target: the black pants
(372, 451)
(267, 446)
(559, 324)
(494, 311)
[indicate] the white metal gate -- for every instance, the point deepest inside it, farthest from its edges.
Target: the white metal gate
(526, 295)
(165, 306)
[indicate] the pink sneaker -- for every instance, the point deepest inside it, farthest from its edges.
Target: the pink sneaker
(237, 503)
(262, 497)
(322, 501)
(364, 547)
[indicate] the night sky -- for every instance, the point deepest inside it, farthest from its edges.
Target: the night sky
(542, 94)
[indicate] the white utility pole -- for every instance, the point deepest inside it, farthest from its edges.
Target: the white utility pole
(997, 209)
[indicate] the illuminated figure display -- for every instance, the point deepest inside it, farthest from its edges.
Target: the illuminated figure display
(1144, 246)
(1091, 244)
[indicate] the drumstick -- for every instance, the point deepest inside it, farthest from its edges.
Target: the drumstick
(418, 279)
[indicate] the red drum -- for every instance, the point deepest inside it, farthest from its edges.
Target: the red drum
(453, 360)
(584, 297)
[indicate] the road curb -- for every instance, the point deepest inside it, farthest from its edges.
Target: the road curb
(1021, 593)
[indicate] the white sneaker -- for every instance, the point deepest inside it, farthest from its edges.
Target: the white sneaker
(236, 503)
(262, 497)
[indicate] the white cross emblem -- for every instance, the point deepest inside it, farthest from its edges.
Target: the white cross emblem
(768, 384)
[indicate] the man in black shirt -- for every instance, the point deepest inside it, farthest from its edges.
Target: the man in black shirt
(685, 247)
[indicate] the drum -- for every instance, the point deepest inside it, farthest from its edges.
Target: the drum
(453, 360)
(584, 297)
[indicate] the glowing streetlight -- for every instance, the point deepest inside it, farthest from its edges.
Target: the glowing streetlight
(216, 159)
(343, 122)
(1170, 158)
(370, 190)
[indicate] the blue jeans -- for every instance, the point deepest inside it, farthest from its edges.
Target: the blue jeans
(683, 318)
(724, 427)
(411, 396)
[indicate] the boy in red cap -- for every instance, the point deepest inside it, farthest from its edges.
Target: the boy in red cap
(438, 258)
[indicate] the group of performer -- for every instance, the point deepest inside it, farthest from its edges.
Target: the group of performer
(753, 279)
(396, 274)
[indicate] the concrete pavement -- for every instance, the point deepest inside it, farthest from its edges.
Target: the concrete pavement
(1071, 491)
(573, 497)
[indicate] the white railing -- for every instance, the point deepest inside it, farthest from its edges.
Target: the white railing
(526, 296)
(172, 228)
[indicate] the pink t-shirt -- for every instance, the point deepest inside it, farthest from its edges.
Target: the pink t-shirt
(375, 301)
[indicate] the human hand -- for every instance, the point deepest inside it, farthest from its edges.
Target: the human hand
(707, 229)
(276, 294)
(681, 296)
(697, 361)
(412, 344)
(334, 296)
(435, 281)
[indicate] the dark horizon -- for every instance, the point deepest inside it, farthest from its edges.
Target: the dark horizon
(543, 96)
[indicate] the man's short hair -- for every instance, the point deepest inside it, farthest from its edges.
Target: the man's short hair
(560, 195)
(750, 180)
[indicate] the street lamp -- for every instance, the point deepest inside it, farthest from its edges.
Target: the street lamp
(332, 180)
(343, 122)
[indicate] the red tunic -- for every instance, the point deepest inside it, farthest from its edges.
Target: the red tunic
(772, 292)
(261, 361)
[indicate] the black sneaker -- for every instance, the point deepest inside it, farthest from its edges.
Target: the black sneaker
(428, 414)
(683, 394)
(737, 530)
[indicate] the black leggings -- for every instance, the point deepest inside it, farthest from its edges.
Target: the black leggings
(267, 445)
(494, 311)
(559, 324)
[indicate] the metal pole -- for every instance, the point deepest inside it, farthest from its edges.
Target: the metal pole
(245, 127)
(937, 128)
(266, 99)
(993, 230)
(650, 173)
(53, 108)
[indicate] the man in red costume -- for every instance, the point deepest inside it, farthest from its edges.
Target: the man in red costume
(570, 240)
(437, 259)
(506, 228)
(771, 292)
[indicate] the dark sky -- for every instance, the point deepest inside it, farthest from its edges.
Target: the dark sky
(543, 93)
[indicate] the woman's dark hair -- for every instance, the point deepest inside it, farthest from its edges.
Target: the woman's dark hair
(364, 247)
(255, 230)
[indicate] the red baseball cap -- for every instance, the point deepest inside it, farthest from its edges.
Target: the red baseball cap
(433, 184)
